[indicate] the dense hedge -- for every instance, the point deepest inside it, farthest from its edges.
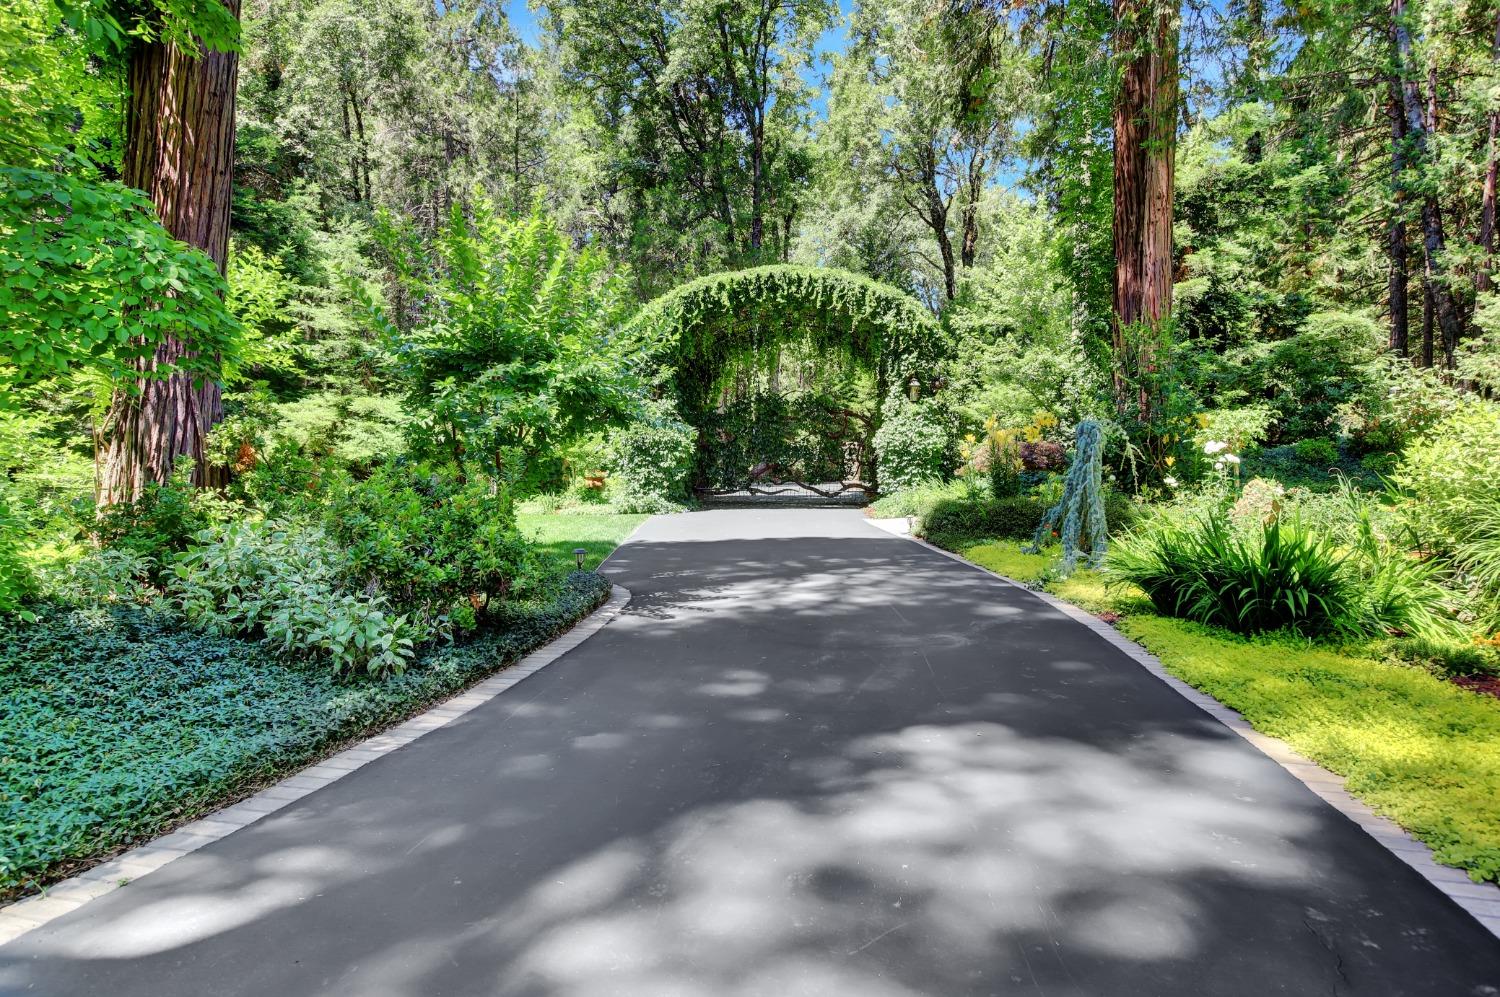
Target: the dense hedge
(118, 726)
(984, 517)
(952, 521)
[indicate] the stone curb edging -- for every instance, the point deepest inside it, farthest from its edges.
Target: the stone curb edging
(1481, 900)
(70, 894)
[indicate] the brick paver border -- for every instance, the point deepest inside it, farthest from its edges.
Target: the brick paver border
(70, 894)
(1482, 900)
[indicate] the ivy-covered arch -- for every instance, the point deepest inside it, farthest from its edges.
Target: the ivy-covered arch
(701, 330)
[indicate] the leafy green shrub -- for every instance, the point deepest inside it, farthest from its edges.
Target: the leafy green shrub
(1318, 452)
(118, 724)
(1243, 428)
(17, 585)
(440, 547)
(284, 584)
(1450, 475)
(162, 522)
(1286, 578)
(105, 577)
(918, 500)
(516, 350)
(1380, 463)
(651, 460)
(1478, 557)
(914, 443)
(983, 516)
(1447, 657)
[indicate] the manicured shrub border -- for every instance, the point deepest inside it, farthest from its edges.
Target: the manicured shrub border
(119, 727)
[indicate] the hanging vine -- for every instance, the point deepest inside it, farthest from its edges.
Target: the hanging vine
(709, 339)
(695, 333)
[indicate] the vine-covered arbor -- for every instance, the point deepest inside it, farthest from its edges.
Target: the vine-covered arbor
(783, 370)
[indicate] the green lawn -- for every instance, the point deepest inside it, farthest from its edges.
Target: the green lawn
(557, 534)
(1416, 748)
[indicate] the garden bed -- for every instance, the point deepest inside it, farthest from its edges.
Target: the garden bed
(1418, 749)
(120, 726)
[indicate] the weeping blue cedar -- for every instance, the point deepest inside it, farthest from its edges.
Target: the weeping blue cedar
(1079, 514)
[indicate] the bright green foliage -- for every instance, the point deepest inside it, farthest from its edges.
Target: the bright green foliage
(914, 443)
(1316, 451)
(697, 329)
(1478, 555)
(287, 585)
(954, 520)
(1285, 578)
(441, 548)
(17, 585)
(105, 577)
(92, 280)
(162, 522)
(650, 461)
(1079, 514)
(919, 500)
(556, 537)
(118, 725)
(1450, 475)
(517, 350)
(1416, 748)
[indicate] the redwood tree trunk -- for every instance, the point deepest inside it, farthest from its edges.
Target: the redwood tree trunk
(179, 149)
(1145, 133)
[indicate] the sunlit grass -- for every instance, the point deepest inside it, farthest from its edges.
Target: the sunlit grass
(558, 534)
(1416, 748)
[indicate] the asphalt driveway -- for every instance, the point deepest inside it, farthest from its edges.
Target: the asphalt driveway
(809, 758)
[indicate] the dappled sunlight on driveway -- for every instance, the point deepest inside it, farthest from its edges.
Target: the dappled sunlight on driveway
(800, 764)
(992, 843)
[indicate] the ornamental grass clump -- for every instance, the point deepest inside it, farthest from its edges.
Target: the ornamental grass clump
(1283, 578)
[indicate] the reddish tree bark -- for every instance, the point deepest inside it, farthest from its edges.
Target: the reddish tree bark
(1145, 143)
(179, 149)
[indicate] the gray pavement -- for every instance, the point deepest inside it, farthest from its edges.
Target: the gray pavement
(810, 758)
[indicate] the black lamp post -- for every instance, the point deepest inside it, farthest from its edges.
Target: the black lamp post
(579, 553)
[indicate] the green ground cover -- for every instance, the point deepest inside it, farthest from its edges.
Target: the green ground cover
(1416, 748)
(120, 725)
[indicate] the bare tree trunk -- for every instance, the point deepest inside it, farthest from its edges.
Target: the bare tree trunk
(1400, 303)
(179, 149)
(1145, 132)
(364, 145)
(1427, 324)
(349, 142)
